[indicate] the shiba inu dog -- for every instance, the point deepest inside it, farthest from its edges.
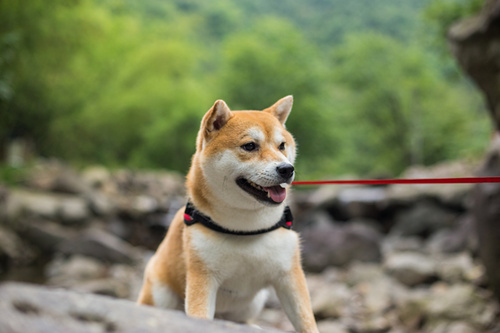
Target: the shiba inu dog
(233, 240)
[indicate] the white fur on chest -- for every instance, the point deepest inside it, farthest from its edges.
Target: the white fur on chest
(245, 264)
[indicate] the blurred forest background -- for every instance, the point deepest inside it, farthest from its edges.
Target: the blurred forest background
(126, 82)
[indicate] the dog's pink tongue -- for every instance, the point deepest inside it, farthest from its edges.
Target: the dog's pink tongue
(277, 193)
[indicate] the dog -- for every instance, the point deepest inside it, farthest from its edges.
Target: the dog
(233, 239)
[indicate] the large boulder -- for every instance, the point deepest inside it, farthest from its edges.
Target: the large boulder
(27, 308)
(410, 268)
(474, 42)
(487, 216)
(101, 245)
(69, 209)
(327, 244)
(423, 219)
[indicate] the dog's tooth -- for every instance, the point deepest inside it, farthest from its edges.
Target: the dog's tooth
(268, 195)
(284, 185)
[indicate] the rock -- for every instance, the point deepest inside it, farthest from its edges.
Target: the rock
(93, 276)
(274, 318)
(410, 268)
(455, 327)
(39, 204)
(54, 176)
(423, 219)
(486, 211)
(370, 325)
(460, 302)
(46, 235)
(458, 268)
(332, 326)
(96, 176)
(13, 250)
(463, 237)
(362, 202)
(100, 204)
(344, 203)
(328, 244)
(361, 272)
(160, 186)
(104, 286)
(452, 195)
(331, 301)
(73, 210)
(69, 272)
(474, 43)
(393, 243)
(377, 295)
(67, 208)
(411, 307)
(100, 245)
(28, 308)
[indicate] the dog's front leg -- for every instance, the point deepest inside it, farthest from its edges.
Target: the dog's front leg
(294, 297)
(201, 288)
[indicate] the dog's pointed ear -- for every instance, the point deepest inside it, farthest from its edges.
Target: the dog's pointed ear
(218, 115)
(281, 109)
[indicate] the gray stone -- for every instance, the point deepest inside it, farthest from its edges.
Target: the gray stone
(13, 250)
(454, 195)
(392, 244)
(332, 326)
(463, 237)
(73, 210)
(486, 212)
(55, 176)
(69, 272)
(100, 245)
(411, 308)
(475, 44)
(454, 327)
(331, 301)
(410, 268)
(423, 219)
(458, 268)
(67, 208)
(35, 203)
(100, 204)
(327, 244)
(362, 202)
(46, 235)
(27, 308)
(96, 176)
(460, 302)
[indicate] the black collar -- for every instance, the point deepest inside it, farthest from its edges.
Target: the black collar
(192, 216)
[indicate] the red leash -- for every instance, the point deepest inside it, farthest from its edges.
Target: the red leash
(464, 180)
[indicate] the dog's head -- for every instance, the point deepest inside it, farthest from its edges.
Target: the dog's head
(247, 157)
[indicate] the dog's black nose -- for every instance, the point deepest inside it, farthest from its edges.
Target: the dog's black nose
(285, 170)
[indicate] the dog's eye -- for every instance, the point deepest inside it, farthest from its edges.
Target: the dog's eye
(251, 146)
(282, 146)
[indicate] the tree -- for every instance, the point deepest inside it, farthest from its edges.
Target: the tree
(404, 112)
(273, 61)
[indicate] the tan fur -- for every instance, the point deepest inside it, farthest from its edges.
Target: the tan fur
(210, 274)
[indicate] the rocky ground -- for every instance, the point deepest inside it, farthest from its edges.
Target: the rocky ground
(379, 259)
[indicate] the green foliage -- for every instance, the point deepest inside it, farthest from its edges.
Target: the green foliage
(12, 175)
(438, 17)
(411, 112)
(127, 82)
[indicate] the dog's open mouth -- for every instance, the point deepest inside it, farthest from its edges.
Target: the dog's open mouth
(273, 194)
